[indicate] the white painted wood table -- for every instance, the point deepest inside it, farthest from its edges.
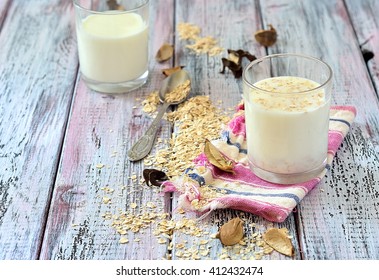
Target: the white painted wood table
(54, 131)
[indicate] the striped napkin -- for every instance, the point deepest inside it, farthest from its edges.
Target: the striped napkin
(242, 190)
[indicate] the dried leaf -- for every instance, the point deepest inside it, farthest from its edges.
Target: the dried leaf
(266, 37)
(216, 158)
(169, 71)
(279, 241)
(164, 53)
(154, 177)
(232, 232)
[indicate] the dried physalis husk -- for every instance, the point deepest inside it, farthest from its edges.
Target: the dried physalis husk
(266, 37)
(231, 233)
(165, 52)
(216, 158)
(278, 240)
(154, 177)
(169, 71)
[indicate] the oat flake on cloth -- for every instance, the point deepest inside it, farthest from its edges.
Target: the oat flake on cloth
(242, 190)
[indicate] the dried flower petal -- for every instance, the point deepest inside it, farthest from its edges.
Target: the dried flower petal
(232, 232)
(279, 241)
(216, 158)
(154, 177)
(266, 37)
(164, 53)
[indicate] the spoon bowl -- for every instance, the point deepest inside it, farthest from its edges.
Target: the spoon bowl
(143, 146)
(171, 83)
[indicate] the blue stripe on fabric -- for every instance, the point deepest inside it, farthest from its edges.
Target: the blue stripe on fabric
(340, 120)
(287, 195)
(226, 137)
(197, 178)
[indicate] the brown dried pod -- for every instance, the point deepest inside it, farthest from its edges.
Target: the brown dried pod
(154, 177)
(266, 37)
(216, 158)
(234, 61)
(235, 68)
(367, 55)
(165, 52)
(232, 232)
(169, 71)
(113, 5)
(279, 241)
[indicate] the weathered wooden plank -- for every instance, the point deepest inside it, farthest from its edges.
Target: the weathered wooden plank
(363, 15)
(339, 219)
(233, 23)
(4, 5)
(101, 129)
(37, 72)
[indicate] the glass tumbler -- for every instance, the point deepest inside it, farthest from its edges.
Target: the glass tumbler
(287, 102)
(113, 43)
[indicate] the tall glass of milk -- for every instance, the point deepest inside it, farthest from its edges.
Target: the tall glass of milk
(113, 43)
(287, 100)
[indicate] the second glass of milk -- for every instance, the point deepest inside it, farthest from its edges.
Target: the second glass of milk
(287, 100)
(113, 43)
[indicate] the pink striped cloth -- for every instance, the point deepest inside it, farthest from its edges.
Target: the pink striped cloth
(242, 190)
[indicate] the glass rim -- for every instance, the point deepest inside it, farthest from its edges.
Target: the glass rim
(77, 4)
(251, 64)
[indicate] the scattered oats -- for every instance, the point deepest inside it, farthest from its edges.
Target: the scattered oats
(106, 200)
(137, 239)
(203, 242)
(150, 205)
(205, 45)
(133, 205)
(122, 231)
(213, 235)
(99, 165)
(123, 240)
(180, 246)
(149, 105)
(204, 252)
(162, 240)
(74, 225)
(201, 45)
(188, 31)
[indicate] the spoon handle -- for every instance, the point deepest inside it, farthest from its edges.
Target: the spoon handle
(143, 146)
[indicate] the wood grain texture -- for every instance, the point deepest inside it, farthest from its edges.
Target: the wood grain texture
(339, 219)
(37, 72)
(233, 24)
(101, 130)
(63, 147)
(363, 15)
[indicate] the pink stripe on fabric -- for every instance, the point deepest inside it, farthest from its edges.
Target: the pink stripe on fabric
(245, 176)
(335, 140)
(268, 211)
(345, 108)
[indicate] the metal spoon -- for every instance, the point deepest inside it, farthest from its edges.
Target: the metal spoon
(143, 146)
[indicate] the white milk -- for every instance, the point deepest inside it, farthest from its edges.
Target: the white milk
(288, 132)
(113, 47)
